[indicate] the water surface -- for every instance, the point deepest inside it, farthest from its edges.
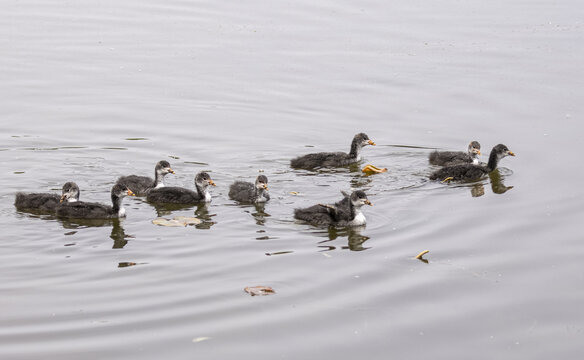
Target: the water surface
(91, 92)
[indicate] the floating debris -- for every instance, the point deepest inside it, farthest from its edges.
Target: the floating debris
(202, 338)
(370, 169)
(168, 222)
(187, 220)
(259, 290)
(126, 264)
(279, 253)
(177, 221)
(420, 256)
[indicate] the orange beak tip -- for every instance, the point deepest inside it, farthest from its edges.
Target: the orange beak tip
(130, 193)
(371, 142)
(511, 153)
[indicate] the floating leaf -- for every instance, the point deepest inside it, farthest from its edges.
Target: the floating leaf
(188, 220)
(167, 222)
(259, 290)
(370, 169)
(126, 264)
(177, 221)
(159, 221)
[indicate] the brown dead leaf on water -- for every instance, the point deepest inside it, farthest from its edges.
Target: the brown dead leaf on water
(259, 290)
(126, 264)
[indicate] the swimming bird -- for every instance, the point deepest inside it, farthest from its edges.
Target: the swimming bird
(446, 158)
(91, 210)
(346, 212)
(471, 172)
(140, 185)
(47, 202)
(332, 159)
(247, 192)
(178, 195)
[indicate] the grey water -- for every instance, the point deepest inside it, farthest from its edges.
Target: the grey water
(95, 90)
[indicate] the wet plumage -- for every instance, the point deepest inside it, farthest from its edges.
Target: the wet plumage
(471, 172)
(333, 159)
(44, 202)
(446, 158)
(91, 210)
(140, 185)
(244, 191)
(179, 195)
(345, 212)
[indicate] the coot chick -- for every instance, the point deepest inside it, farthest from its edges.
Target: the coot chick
(247, 192)
(90, 210)
(178, 195)
(140, 185)
(47, 202)
(446, 158)
(333, 159)
(346, 212)
(471, 172)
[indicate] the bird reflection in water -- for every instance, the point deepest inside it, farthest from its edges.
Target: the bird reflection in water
(497, 185)
(359, 180)
(353, 234)
(201, 212)
(477, 190)
(118, 235)
(260, 215)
